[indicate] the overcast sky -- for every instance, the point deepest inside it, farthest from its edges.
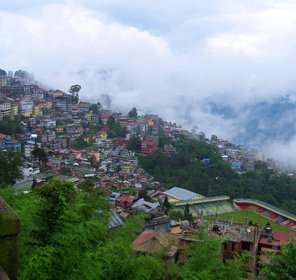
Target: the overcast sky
(164, 56)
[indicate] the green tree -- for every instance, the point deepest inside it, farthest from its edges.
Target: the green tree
(9, 127)
(2, 73)
(290, 205)
(135, 143)
(80, 143)
(101, 122)
(55, 197)
(205, 262)
(95, 108)
(116, 130)
(34, 184)
(281, 266)
(133, 114)
(10, 164)
(214, 138)
(187, 215)
(143, 193)
(166, 204)
(74, 91)
(87, 185)
(40, 155)
(23, 74)
(111, 122)
(74, 236)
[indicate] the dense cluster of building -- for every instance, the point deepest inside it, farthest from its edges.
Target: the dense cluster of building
(54, 122)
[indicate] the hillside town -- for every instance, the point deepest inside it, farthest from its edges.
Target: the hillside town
(60, 136)
(58, 122)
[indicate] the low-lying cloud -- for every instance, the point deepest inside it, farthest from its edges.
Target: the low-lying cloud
(165, 58)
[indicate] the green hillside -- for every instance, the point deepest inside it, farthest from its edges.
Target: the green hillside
(197, 166)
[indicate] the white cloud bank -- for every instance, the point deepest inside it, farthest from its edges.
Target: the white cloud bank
(162, 57)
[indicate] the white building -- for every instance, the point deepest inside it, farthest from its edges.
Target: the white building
(27, 107)
(29, 147)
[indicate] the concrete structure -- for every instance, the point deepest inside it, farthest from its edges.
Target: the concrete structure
(27, 108)
(29, 147)
(238, 239)
(5, 107)
(9, 230)
(148, 147)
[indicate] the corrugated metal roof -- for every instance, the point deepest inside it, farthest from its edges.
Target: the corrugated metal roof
(114, 220)
(151, 241)
(181, 194)
(146, 204)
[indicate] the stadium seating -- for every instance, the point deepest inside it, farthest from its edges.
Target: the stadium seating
(273, 216)
(280, 219)
(269, 211)
(291, 224)
(207, 205)
(260, 210)
(286, 222)
(243, 205)
(266, 213)
(252, 208)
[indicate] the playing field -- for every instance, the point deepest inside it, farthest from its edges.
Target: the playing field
(246, 216)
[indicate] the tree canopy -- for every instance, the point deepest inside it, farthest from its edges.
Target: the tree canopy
(65, 235)
(23, 74)
(74, 91)
(133, 113)
(40, 155)
(281, 266)
(115, 129)
(9, 167)
(2, 73)
(188, 168)
(135, 143)
(9, 126)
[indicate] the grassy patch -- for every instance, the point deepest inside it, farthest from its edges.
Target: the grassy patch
(246, 216)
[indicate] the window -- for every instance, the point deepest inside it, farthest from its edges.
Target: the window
(233, 247)
(246, 246)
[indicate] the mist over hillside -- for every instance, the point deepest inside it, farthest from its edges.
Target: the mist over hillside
(225, 68)
(267, 124)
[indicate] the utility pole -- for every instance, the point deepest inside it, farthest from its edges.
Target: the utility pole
(209, 190)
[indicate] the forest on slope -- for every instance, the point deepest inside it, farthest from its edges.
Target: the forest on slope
(65, 235)
(186, 168)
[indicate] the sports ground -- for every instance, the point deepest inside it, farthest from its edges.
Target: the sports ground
(246, 216)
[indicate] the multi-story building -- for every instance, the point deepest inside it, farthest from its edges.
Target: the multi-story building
(29, 147)
(14, 109)
(239, 239)
(73, 131)
(18, 89)
(59, 143)
(48, 123)
(7, 143)
(36, 110)
(148, 147)
(61, 105)
(3, 82)
(5, 107)
(27, 108)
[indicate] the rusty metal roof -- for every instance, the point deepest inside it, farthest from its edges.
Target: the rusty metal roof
(152, 241)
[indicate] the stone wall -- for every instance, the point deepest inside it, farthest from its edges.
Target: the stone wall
(9, 230)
